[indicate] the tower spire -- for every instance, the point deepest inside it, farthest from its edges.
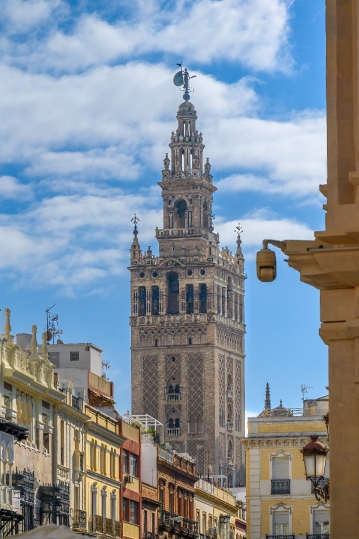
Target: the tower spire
(267, 402)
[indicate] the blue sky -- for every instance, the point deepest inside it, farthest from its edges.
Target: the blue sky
(87, 106)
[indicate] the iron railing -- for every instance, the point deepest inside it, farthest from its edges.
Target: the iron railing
(164, 518)
(280, 486)
(280, 536)
(190, 526)
(318, 536)
(96, 524)
(79, 519)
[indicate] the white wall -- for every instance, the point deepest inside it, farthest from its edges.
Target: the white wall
(90, 359)
(148, 461)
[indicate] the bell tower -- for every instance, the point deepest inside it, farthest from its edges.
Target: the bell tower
(187, 315)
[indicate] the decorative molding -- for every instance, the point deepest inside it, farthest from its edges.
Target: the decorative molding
(280, 507)
(94, 487)
(280, 454)
(320, 505)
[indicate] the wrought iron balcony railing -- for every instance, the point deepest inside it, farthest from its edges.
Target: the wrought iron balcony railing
(280, 536)
(318, 536)
(280, 486)
(164, 518)
(190, 526)
(79, 519)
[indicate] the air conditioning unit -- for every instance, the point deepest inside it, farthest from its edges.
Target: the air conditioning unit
(128, 479)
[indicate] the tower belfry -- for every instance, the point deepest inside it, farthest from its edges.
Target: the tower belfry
(187, 315)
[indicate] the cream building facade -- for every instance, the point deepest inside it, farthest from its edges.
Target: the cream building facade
(216, 511)
(280, 501)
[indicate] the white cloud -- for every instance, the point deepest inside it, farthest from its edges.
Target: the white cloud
(260, 226)
(292, 154)
(11, 188)
(249, 32)
(117, 131)
(22, 15)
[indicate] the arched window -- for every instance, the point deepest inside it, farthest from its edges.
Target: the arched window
(202, 298)
(230, 298)
(177, 423)
(155, 300)
(173, 290)
(142, 300)
(189, 299)
(170, 389)
(177, 389)
(180, 212)
(230, 449)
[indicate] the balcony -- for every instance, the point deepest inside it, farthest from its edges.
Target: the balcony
(174, 432)
(105, 526)
(280, 536)
(164, 520)
(79, 520)
(230, 426)
(280, 486)
(318, 536)
(173, 396)
(189, 527)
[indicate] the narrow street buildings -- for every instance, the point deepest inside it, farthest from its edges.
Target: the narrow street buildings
(280, 500)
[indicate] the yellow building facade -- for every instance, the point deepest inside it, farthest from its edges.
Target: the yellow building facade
(216, 511)
(102, 477)
(280, 501)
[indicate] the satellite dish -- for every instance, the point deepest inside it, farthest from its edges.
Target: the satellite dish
(59, 341)
(178, 79)
(48, 335)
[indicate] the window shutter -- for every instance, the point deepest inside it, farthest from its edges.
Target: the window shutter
(280, 468)
(321, 516)
(280, 517)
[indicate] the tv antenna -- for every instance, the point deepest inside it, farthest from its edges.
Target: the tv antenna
(52, 321)
(106, 364)
(304, 389)
(181, 79)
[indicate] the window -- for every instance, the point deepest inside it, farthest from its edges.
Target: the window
(280, 483)
(125, 461)
(62, 442)
(142, 300)
(173, 290)
(125, 509)
(46, 442)
(133, 512)
(281, 523)
(202, 298)
(133, 465)
(189, 299)
(130, 511)
(321, 522)
(155, 300)
(75, 356)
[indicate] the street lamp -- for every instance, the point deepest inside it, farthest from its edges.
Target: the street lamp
(314, 457)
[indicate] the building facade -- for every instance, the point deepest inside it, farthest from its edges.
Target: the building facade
(187, 317)
(280, 501)
(131, 508)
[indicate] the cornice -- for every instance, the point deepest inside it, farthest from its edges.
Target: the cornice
(103, 478)
(282, 442)
(106, 434)
(202, 495)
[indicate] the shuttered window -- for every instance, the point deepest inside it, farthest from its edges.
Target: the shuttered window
(280, 468)
(321, 522)
(281, 522)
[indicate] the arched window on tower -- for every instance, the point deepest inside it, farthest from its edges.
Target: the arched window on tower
(180, 213)
(230, 449)
(202, 298)
(189, 299)
(229, 298)
(173, 292)
(142, 300)
(155, 300)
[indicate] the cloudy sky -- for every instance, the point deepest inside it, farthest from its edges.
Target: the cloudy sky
(87, 106)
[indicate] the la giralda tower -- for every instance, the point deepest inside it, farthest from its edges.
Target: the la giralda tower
(187, 315)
